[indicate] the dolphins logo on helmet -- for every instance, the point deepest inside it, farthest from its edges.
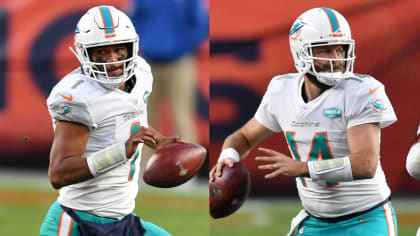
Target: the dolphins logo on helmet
(321, 27)
(296, 29)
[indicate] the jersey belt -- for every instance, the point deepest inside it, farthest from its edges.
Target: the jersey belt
(352, 215)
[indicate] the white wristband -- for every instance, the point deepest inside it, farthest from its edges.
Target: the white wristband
(338, 169)
(229, 153)
(107, 159)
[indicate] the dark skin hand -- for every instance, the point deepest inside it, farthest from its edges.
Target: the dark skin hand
(67, 166)
(150, 137)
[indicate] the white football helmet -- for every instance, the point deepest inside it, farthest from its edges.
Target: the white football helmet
(320, 27)
(101, 26)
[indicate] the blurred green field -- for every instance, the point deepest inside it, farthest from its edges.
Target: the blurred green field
(181, 211)
(272, 217)
(257, 217)
(179, 214)
(24, 202)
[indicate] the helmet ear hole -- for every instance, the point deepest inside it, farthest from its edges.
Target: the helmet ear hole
(302, 64)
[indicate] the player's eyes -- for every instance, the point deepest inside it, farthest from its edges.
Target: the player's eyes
(99, 59)
(98, 53)
(120, 50)
(320, 50)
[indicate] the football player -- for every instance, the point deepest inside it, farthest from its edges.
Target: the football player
(99, 114)
(331, 119)
(413, 158)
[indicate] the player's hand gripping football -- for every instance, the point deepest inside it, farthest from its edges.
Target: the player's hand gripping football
(150, 137)
(217, 169)
(161, 140)
(280, 164)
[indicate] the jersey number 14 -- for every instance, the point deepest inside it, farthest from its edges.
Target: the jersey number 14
(319, 149)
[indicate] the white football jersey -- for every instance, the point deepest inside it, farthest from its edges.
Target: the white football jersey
(317, 130)
(112, 116)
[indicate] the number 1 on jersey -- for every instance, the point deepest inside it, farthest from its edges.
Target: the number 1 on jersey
(134, 127)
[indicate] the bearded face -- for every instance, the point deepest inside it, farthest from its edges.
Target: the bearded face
(329, 52)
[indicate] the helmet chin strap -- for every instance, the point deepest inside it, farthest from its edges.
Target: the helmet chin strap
(315, 80)
(112, 86)
(329, 78)
(326, 78)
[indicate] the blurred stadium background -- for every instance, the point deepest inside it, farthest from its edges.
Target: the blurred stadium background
(34, 40)
(249, 45)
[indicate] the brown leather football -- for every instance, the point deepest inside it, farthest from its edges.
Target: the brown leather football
(229, 191)
(174, 164)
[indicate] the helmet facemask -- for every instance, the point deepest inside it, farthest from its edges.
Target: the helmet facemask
(105, 26)
(331, 76)
(98, 70)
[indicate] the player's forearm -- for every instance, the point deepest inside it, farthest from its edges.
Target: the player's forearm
(71, 170)
(363, 141)
(303, 169)
(364, 165)
(238, 145)
(354, 166)
(239, 142)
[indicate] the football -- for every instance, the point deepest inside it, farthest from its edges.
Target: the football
(229, 191)
(174, 164)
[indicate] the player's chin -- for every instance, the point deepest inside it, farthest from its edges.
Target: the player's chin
(115, 73)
